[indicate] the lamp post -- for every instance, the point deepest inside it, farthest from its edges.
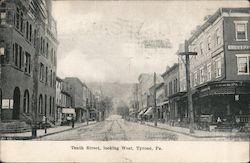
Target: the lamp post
(189, 93)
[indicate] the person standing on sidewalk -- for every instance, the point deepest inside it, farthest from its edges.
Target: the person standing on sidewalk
(73, 121)
(45, 124)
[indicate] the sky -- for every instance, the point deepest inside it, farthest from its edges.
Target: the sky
(104, 41)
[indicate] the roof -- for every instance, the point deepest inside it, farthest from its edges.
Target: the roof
(214, 17)
(170, 69)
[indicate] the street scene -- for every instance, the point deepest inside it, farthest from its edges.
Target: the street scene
(78, 71)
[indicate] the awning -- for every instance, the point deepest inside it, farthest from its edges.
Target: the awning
(162, 103)
(149, 111)
(68, 110)
(141, 112)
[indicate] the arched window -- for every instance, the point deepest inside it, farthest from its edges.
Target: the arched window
(45, 105)
(50, 105)
(40, 104)
(26, 102)
(53, 106)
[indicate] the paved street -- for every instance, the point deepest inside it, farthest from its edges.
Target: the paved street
(115, 128)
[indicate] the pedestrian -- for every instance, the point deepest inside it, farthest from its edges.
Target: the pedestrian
(73, 122)
(45, 124)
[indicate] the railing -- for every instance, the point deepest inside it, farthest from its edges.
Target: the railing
(242, 118)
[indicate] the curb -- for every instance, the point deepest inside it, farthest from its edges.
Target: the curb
(184, 133)
(41, 136)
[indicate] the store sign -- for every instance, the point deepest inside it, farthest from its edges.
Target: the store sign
(238, 47)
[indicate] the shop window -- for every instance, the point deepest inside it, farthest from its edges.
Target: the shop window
(243, 62)
(241, 30)
(218, 67)
(209, 72)
(26, 102)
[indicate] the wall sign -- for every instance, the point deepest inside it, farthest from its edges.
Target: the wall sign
(238, 47)
(7, 104)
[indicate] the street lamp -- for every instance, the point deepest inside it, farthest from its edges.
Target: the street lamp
(189, 94)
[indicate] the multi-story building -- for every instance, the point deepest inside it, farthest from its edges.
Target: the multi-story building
(28, 45)
(175, 109)
(78, 92)
(220, 73)
(145, 82)
(63, 99)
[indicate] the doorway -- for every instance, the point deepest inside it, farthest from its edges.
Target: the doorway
(16, 104)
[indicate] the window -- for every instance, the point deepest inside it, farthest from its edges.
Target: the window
(17, 18)
(45, 104)
(218, 37)
(40, 104)
(175, 85)
(46, 75)
(209, 43)
(26, 102)
(243, 62)
(27, 30)
(17, 55)
(47, 49)
(51, 78)
(170, 88)
(208, 71)
(201, 48)
(195, 78)
(2, 55)
(30, 34)
(218, 67)
(27, 62)
(41, 72)
(241, 30)
(20, 57)
(50, 105)
(202, 75)
(2, 17)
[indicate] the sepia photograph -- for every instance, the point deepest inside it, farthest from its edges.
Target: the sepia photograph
(117, 76)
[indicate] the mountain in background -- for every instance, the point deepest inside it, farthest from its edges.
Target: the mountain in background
(118, 91)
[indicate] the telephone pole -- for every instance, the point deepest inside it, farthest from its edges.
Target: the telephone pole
(189, 93)
(154, 96)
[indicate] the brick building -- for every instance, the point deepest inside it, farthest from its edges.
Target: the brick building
(220, 73)
(28, 39)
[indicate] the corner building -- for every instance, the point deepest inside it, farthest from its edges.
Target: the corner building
(220, 73)
(28, 38)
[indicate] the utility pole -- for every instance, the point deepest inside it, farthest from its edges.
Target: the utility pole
(189, 93)
(154, 96)
(35, 84)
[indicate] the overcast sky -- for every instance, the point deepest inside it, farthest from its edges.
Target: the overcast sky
(102, 41)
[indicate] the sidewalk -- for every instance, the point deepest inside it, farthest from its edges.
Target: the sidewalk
(200, 133)
(41, 133)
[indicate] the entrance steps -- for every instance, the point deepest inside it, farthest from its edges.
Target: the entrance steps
(14, 126)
